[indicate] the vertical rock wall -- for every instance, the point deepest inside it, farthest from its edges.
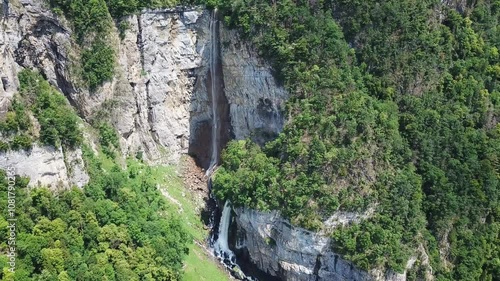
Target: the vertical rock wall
(255, 98)
(158, 59)
(295, 254)
(47, 166)
(158, 100)
(165, 59)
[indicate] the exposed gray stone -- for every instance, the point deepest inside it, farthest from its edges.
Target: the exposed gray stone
(76, 168)
(256, 100)
(46, 166)
(295, 254)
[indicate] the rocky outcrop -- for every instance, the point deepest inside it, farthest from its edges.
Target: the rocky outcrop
(458, 5)
(295, 254)
(46, 166)
(256, 100)
(163, 97)
(158, 100)
(10, 35)
(33, 37)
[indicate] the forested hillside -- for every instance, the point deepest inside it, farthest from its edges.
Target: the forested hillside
(119, 228)
(395, 108)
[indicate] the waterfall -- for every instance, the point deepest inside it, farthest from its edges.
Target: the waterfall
(221, 246)
(215, 81)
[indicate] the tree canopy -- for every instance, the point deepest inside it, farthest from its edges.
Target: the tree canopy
(118, 228)
(395, 106)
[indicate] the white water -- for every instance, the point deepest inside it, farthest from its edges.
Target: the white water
(221, 246)
(215, 81)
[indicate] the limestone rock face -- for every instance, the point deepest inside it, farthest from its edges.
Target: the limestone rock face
(76, 168)
(154, 89)
(295, 254)
(31, 36)
(12, 30)
(47, 166)
(158, 100)
(255, 99)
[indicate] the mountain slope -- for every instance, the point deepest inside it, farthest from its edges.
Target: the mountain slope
(405, 121)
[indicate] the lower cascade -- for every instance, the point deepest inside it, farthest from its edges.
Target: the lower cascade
(221, 246)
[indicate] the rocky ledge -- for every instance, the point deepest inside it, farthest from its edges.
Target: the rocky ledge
(295, 254)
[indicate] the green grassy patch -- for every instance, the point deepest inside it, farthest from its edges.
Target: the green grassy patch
(198, 265)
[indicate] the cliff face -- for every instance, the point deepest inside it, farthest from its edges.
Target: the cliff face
(158, 100)
(165, 99)
(295, 254)
(154, 87)
(47, 166)
(30, 36)
(256, 100)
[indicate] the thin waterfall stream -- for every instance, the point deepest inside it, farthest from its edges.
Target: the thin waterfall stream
(215, 81)
(219, 239)
(219, 222)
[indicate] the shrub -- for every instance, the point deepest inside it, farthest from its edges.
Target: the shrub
(16, 119)
(4, 146)
(98, 64)
(108, 138)
(21, 141)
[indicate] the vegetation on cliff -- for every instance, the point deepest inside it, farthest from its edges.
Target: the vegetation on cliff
(39, 101)
(395, 106)
(92, 21)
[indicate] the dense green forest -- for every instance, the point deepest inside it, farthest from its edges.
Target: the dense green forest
(118, 228)
(395, 107)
